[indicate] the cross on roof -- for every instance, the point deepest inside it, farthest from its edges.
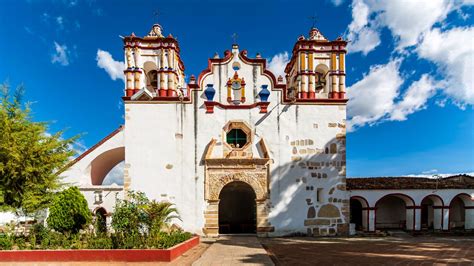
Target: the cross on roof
(313, 19)
(234, 37)
(156, 14)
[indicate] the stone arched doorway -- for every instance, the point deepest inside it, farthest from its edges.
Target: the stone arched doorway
(237, 209)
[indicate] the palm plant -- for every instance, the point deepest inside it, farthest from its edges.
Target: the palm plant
(160, 214)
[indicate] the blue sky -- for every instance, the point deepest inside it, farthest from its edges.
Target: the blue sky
(409, 67)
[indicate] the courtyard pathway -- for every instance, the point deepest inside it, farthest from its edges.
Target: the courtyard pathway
(235, 250)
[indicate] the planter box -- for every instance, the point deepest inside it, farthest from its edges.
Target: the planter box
(126, 255)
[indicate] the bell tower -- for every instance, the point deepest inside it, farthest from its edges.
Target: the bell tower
(154, 67)
(316, 68)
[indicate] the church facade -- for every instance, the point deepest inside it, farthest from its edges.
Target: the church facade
(238, 149)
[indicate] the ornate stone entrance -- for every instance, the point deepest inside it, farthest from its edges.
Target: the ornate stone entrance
(237, 209)
(221, 171)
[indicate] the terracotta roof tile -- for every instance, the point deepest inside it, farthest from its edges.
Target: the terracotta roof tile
(370, 183)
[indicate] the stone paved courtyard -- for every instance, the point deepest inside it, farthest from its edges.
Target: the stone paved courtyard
(406, 250)
(371, 251)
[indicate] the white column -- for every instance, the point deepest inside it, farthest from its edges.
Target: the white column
(371, 219)
(365, 216)
(417, 218)
(446, 218)
(469, 221)
(437, 218)
(410, 216)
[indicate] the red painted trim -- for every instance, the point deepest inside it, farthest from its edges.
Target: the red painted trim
(210, 106)
(413, 207)
(227, 56)
(91, 149)
(320, 100)
(360, 198)
(128, 255)
(266, 72)
(436, 196)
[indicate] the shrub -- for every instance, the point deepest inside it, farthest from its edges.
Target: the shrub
(129, 215)
(69, 211)
(6, 242)
(101, 241)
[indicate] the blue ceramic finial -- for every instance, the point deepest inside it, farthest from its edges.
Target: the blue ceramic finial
(264, 93)
(209, 92)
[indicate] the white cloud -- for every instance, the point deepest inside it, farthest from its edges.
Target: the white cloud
(115, 176)
(61, 55)
(372, 98)
(60, 21)
(377, 97)
(278, 63)
(414, 98)
(432, 171)
(113, 68)
(434, 174)
(453, 52)
(337, 2)
(407, 21)
(362, 37)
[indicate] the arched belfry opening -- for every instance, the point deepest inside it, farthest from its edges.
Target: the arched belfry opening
(237, 209)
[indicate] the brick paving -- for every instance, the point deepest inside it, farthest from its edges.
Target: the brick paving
(235, 250)
(371, 251)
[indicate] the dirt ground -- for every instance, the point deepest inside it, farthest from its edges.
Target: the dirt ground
(370, 251)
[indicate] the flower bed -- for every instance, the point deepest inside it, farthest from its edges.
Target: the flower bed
(125, 255)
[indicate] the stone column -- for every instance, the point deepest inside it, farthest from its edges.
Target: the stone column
(211, 219)
(263, 225)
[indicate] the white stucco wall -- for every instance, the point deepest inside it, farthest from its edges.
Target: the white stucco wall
(165, 145)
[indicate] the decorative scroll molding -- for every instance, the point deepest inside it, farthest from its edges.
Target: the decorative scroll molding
(216, 181)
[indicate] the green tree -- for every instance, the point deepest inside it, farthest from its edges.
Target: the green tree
(69, 211)
(29, 156)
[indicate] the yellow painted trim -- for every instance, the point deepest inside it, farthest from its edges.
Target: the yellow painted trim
(302, 61)
(333, 61)
(341, 62)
